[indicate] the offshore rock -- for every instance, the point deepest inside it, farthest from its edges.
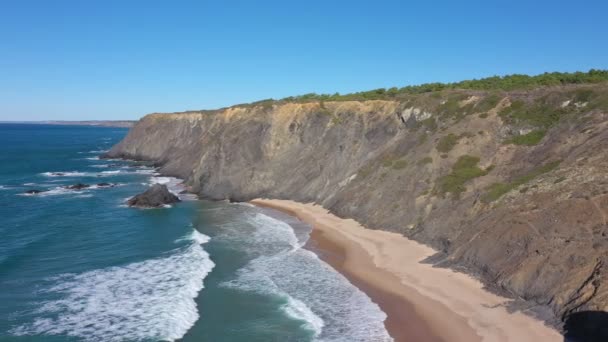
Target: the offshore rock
(155, 197)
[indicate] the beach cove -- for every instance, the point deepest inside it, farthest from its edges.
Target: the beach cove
(422, 302)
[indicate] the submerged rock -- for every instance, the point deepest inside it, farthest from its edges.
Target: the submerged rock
(78, 186)
(105, 185)
(155, 197)
(35, 191)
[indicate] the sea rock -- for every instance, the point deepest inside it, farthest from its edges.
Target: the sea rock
(78, 186)
(155, 197)
(35, 191)
(105, 185)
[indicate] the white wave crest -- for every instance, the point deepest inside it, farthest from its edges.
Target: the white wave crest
(149, 300)
(113, 172)
(64, 174)
(297, 309)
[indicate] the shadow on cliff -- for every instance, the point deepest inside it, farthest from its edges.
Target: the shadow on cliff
(586, 326)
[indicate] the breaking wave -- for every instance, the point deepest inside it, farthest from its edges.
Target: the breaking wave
(149, 300)
(328, 304)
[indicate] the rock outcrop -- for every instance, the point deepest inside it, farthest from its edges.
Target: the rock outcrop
(155, 197)
(509, 186)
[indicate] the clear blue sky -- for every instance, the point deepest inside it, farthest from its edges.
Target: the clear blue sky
(77, 60)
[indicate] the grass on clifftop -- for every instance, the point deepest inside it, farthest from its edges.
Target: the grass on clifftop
(464, 170)
(496, 190)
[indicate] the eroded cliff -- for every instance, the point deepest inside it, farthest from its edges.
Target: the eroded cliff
(510, 186)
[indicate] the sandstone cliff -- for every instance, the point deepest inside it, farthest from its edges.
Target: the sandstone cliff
(509, 186)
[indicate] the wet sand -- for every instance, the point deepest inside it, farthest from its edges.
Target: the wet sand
(422, 303)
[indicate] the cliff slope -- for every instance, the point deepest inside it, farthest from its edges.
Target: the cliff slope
(509, 186)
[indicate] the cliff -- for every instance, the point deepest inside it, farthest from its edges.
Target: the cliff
(509, 186)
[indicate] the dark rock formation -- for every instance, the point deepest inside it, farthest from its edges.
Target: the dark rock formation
(155, 197)
(34, 191)
(105, 185)
(78, 186)
(530, 219)
(587, 326)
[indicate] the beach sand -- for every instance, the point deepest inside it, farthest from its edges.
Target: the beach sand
(422, 303)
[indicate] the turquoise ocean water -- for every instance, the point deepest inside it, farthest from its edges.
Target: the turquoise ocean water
(78, 265)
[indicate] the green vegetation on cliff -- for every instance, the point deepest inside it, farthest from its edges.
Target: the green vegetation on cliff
(464, 170)
(529, 139)
(504, 83)
(496, 190)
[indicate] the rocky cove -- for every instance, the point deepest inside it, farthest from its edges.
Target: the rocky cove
(509, 186)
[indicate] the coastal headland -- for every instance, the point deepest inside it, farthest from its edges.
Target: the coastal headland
(502, 181)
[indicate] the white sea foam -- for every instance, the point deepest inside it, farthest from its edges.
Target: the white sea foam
(174, 185)
(160, 180)
(54, 192)
(149, 300)
(64, 174)
(298, 310)
(328, 305)
(146, 171)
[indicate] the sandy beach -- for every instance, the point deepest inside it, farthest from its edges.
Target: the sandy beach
(422, 303)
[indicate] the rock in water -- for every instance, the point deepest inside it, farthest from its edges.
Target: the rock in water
(35, 191)
(78, 186)
(155, 197)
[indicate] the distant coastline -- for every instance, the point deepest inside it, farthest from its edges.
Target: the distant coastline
(101, 123)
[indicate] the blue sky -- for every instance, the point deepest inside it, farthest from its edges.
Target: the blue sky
(78, 60)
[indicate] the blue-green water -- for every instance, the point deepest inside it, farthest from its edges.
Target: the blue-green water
(78, 265)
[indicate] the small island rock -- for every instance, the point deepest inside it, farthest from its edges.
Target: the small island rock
(78, 186)
(155, 197)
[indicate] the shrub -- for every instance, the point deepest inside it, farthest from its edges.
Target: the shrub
(538, 114)
(583, 95)
(430, 124)
(529, 139)
(447, 143)
(463, 171)
(496, 190)
(424, 161)
(400, 164)
(487, 103)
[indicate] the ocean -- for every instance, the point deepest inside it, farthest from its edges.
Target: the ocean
(79, 265)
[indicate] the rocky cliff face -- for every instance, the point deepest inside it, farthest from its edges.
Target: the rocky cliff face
(510, 186)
